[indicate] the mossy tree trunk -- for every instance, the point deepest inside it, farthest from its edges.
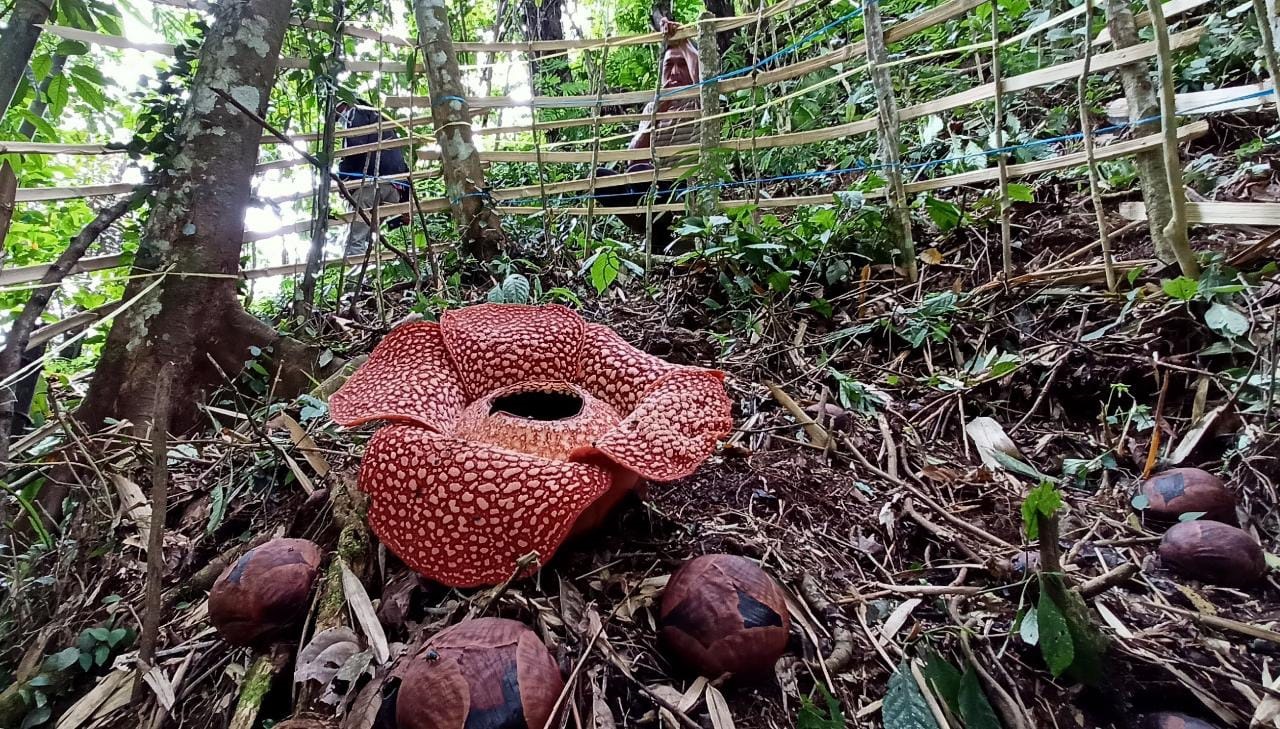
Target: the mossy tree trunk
(192, 238)
(1143, 104)
(17, 42)
(477, 223)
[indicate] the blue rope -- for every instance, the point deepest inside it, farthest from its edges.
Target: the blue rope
(862, 167)
(786, 51)
(440, 99)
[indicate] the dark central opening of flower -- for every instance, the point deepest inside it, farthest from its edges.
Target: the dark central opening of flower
(538, 405)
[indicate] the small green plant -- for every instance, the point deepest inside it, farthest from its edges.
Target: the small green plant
(1059, 623)
(514, 289)
(812, 716)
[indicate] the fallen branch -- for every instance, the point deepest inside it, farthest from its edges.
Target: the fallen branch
(816, 433)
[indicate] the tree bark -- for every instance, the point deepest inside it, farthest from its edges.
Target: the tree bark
(195, 227)
(544, 21)
(1144, 105)
(17, 42)
(722, 9)
(460, 160)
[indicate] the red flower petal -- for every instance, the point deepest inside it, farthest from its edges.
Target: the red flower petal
(617, 372)
(463, 513)
(494, 345)
(409, 378)
(673, 430)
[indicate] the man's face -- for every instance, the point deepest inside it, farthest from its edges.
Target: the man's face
(675, 71)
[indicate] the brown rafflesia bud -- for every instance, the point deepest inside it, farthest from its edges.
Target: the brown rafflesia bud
(1216, 553)
(1170, 720)
(722, 613)
(265, 592)
(488, 672)
(1178, 491)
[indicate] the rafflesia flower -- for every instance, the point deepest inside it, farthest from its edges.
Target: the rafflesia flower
(514, 426)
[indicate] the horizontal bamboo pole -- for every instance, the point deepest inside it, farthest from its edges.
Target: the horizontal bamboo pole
(1216, 213)
(1066, 161)
(27, 274)
(722, 25)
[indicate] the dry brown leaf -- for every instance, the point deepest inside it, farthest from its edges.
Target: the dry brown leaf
(160, 684)
(989, 438)
(112, 691)
(362, 607)
(135, 505)
(299, 439)
(718, 708)
(931, 256)
(326, 654)
(898, 618)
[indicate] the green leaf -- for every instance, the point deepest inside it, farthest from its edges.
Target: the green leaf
(1029, 627)
(100, 634)
(1226, 320)
(904, 706)
(604, 269)
(943, 678)
(36, 717)
(1191, 515)
(811, 716)
(1022, 469)
(62, 660)
(1043, 501)
(1055, 636)
(1021, 193)
(116, 636)
(945, 215)
(1140, 501)
(975, 710)
(515, 289)
(100, 655)
(1180, 288)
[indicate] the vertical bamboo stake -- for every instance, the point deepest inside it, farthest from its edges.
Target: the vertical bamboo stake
(1176, 230)
(537, 142)
(595, 141)
(887, 124)
(320, 202)
(1265, 29)
(653, 160)
(1006, 233)
(709, 138)
(755, 152)
(1086, 131)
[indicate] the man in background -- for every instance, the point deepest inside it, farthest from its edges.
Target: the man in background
(372, 169)
(680, 70)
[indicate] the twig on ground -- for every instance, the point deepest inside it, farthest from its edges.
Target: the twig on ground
(155, 547)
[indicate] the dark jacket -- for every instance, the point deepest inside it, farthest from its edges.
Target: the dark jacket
(392, 162)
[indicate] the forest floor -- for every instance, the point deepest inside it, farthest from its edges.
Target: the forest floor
(899, 536)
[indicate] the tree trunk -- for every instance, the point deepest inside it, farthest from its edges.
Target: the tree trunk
(17, 42)
(544, 21)
(722, 9)
(477, 223)
(196, 226)
(1144, 105)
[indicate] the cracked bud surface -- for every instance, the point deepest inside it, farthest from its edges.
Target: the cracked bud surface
(508, 424)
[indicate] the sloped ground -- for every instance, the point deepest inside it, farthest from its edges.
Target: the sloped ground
(893, 539)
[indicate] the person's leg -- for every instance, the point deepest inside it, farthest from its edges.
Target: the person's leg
(359, 233)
